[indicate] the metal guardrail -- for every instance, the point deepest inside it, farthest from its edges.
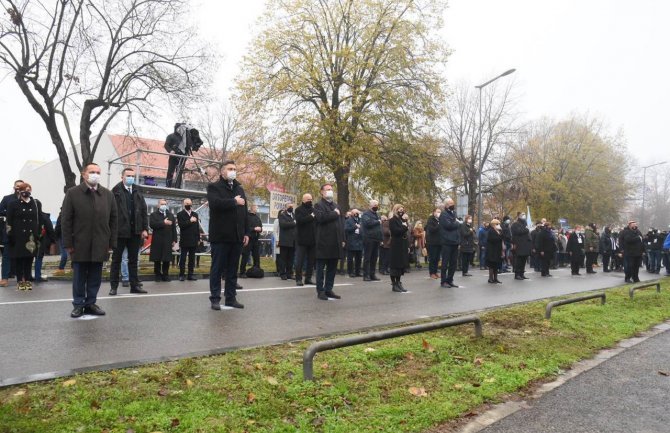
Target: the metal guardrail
(551, 305)
(311, 351)
(632, 290)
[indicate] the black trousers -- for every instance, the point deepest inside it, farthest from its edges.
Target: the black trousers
(287, 254)
(252, 250)
(576, 262)
(449, 262)
(606, 261)
(302, 252)
(520, 264)
(370, 255)
(173, 163)
(545, 262)
(384, 254)
(465, 262)
(591, 257)
(133, 244)
(354, 262)
(633, 268)
(183, 252)
(23, 267)
(160, 268)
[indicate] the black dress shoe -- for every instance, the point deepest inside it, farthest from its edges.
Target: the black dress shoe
(358, 275)
(497, 281)
(284, 277)
(238, 287)
(445, 285)
(157, 278)
(125, 283)
(112, 291)
(332, 295)
(77, 312)
(375, 278)
(299, 283)
(524, 277)
(518, 277)
(137, 290)
(352, 276)
(216, 306)
(396, 288)
(191, 278)
(242, 275)
(182, 278)
(322, 296)
(453, 285)
(309, 282)
(367, 279)
(402, 288)
(94, 310)
(166, 278)
(467, 275)
(234, 304)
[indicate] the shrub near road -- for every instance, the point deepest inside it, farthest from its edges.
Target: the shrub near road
(403, 385)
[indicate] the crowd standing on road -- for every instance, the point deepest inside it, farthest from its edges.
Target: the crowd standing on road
(312, 239)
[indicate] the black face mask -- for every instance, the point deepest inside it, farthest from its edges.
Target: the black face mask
(187, 207)
(401, 213)
(375, 209)
(25, 194)
(289, 210)
(308, 203)
(451, 208)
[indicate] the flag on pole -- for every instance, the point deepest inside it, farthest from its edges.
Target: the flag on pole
(529, 220)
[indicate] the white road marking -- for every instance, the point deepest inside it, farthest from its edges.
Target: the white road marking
(158, 295)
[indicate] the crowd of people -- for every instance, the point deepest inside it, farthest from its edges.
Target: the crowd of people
(313, 238)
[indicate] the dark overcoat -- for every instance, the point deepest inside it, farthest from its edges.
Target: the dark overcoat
(162, 236)
(287, 229)
(521, 240)
(494, 241)
(371, 225)
(89, 223)
(632, 242)
(449, 228)
(24, 228)
(305, 226)
(399, 254)
(575, 245)
(467, 238)
(354, 240)
(189, 232)
(433, 231)
(139, 214)
(545, 243)
(228, 221)
(329, 230)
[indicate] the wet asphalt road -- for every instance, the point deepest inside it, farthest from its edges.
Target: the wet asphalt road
(38, 339)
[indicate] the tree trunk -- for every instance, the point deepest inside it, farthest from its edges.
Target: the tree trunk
(342, 185)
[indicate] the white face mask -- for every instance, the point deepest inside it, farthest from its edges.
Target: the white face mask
(232, 175)
(93, 178)
(329, 194)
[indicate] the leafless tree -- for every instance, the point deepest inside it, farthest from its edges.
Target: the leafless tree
(88, 62)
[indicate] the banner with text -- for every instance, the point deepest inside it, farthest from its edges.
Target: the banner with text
(278, 202)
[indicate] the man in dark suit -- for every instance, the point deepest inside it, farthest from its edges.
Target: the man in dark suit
(329, 242)
(354, 241)
(89, 226)
(372, 239)
(521, 245)
(450, 241)
(6, 259)
(228, 233)
(132, 227)
(253, 247)
(575, 249)
(287, 226)
(163, 237)
(305, 240)
(189, 235)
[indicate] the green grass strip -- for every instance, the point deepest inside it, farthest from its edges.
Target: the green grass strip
(402, 385)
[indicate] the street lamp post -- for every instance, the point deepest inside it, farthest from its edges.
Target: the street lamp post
(481, 156)
(644, 188)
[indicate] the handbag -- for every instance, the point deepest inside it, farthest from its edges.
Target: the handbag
(424, 252)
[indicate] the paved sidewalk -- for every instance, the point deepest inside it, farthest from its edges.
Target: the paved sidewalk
(627, 393)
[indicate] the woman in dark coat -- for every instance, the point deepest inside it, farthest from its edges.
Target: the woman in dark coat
(467, 246)
(546, 248)
(494, 250)
(399, 253)
(385, 246)
(164, 236)
(23, 231)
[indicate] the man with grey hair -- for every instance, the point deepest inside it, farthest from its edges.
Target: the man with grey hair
(372, 239)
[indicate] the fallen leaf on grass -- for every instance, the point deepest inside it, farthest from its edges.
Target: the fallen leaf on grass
(318, 421)
(490, 380)
(309, 410)
(664, 373)
(251, 397)
(69, 382)
(426, 346)
(189, 383)
(20, 392)
(325, 366)
(470, 414)
(258, 366)
(163, 392)
(326, 383)
(458, 386)
(95, 405)
(478, 361)
(251, 422)
(459, 358)
(418, 392)
(272, 381)
(175, 422)
(369, 349)
(409, 356)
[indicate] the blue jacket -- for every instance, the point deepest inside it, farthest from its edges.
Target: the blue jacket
(666, 244)
(449, 228)
(354, 240)
(371, 225)
(483, 236)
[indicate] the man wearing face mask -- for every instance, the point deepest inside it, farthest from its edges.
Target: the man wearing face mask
(467, 244)
(450, 240)
(372, 239)
(6, 260)
(633, 248)
(305, 240)
(163, 237)
(521, 246)
(132, 226)
(329, 243)
(354, 240)
(433, 242)
(89, 227)
(575, 249)
(189, 236)
(228, 234)
(287, 226)
(546, 247)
